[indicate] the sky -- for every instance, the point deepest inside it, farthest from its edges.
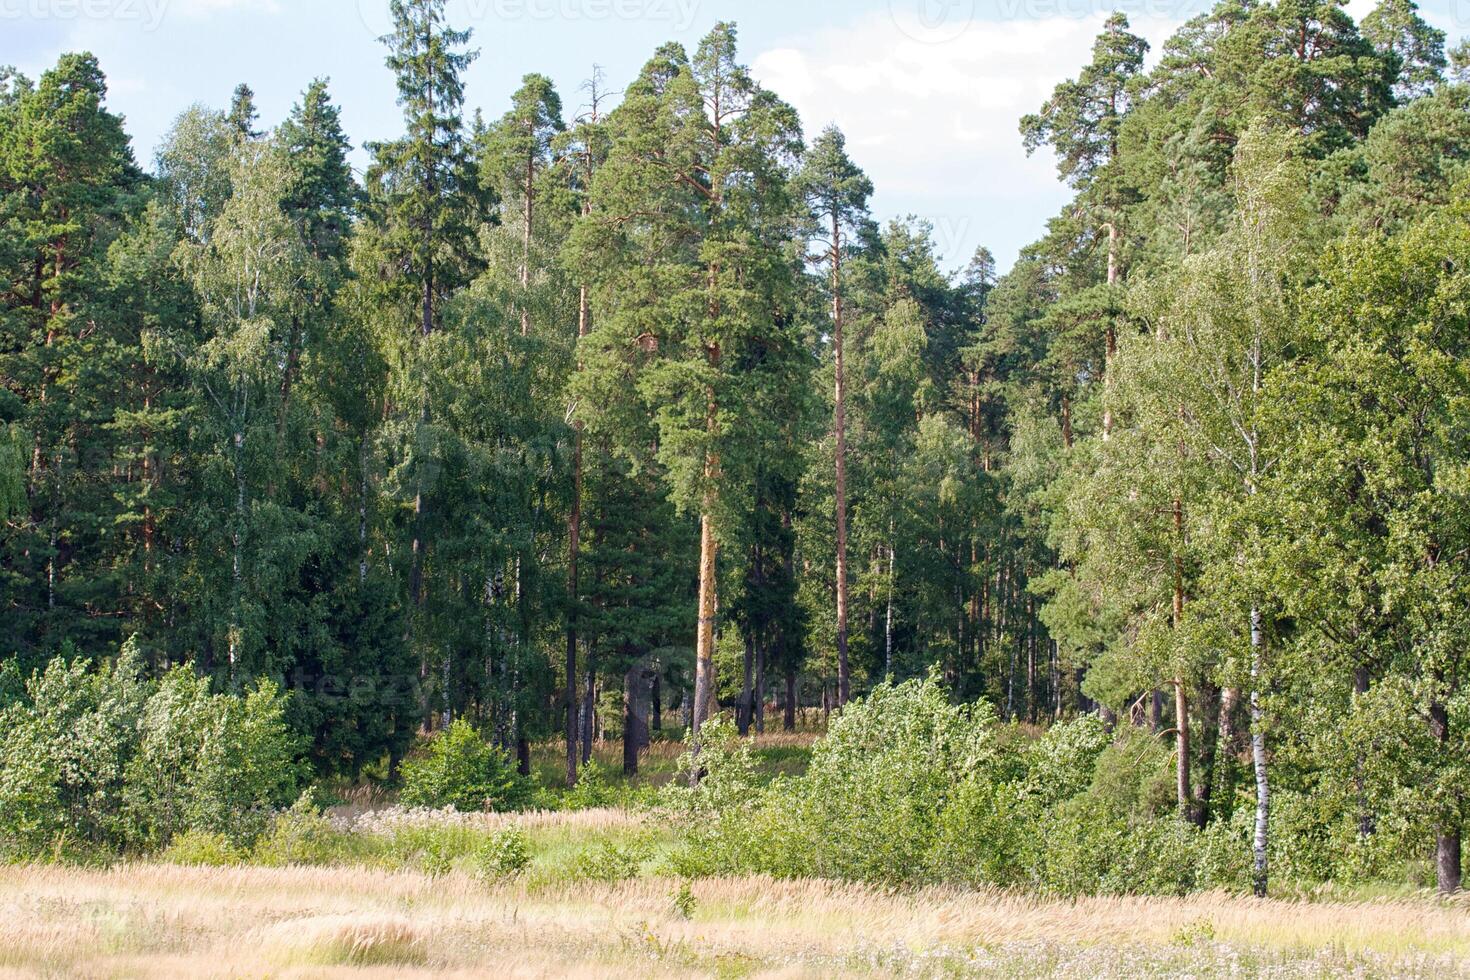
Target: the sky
(928, 92)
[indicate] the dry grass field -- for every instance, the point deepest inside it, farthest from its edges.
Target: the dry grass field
(165, 921)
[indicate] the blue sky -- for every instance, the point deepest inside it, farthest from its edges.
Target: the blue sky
(928, 91)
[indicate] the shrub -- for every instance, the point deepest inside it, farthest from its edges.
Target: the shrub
(610, 862)
(460, 769)
(871, 804)
(1061, 763)
(593, 790)
(97, 758)
(505, 854)
(64, 749)
(302, 836)
(203, 849)
(212, 762)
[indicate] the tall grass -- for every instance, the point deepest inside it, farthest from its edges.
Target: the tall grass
(160, 920)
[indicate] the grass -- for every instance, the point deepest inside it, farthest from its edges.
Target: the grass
(374, 891)
(777, 753)
(159, 920)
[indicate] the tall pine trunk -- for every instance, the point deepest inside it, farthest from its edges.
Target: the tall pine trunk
(574, 548)
(636, 689)
(744, 714)
(844, 679)
(704, 664)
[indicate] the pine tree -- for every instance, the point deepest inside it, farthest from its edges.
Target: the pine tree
(837, 193)
(1412, 50)
(515, 153)
(1082, 121)
(684, 245)
(66, 179)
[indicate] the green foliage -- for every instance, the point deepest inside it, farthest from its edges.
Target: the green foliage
(1206, 437)
(610, 862)
(460, 769)
(910, 788)
(504, 855)
(212, 762)
(301, 835)
(205, 849)
(102, 756)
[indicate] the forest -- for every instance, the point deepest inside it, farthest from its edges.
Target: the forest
(600, 450)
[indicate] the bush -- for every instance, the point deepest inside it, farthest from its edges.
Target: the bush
(871, 804)
(610, 862)
(506, 854)
(98, 758)
(202, 848)
(593, 790)
(871, 807)
(1061, 763)
(301, 836)
(460, 769)
(64, 750)
(217, 762)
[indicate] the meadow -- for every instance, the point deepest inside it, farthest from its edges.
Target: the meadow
(368, 888)
(175, 921)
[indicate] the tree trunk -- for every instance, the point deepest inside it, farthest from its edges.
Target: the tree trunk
(745, 713)
(705, 703)
(589, 710)
(637, 688)
(1447, 863)
(1447, 857)
(1181, 750)
(1228, 758)
(658, 698)
(788, 717)
(844, 680)
(1209, 750)
(574, 545)
(1261, 869)
(760, 689)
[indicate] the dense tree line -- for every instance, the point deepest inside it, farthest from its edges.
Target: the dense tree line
(560, 420)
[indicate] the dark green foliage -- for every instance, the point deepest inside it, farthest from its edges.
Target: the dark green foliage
(460, 769)
(1181, 495)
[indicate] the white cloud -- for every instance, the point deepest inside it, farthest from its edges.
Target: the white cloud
(935, 124)
(204, 8)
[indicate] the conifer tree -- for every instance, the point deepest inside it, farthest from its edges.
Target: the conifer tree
(694, 309)
(837, 193)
